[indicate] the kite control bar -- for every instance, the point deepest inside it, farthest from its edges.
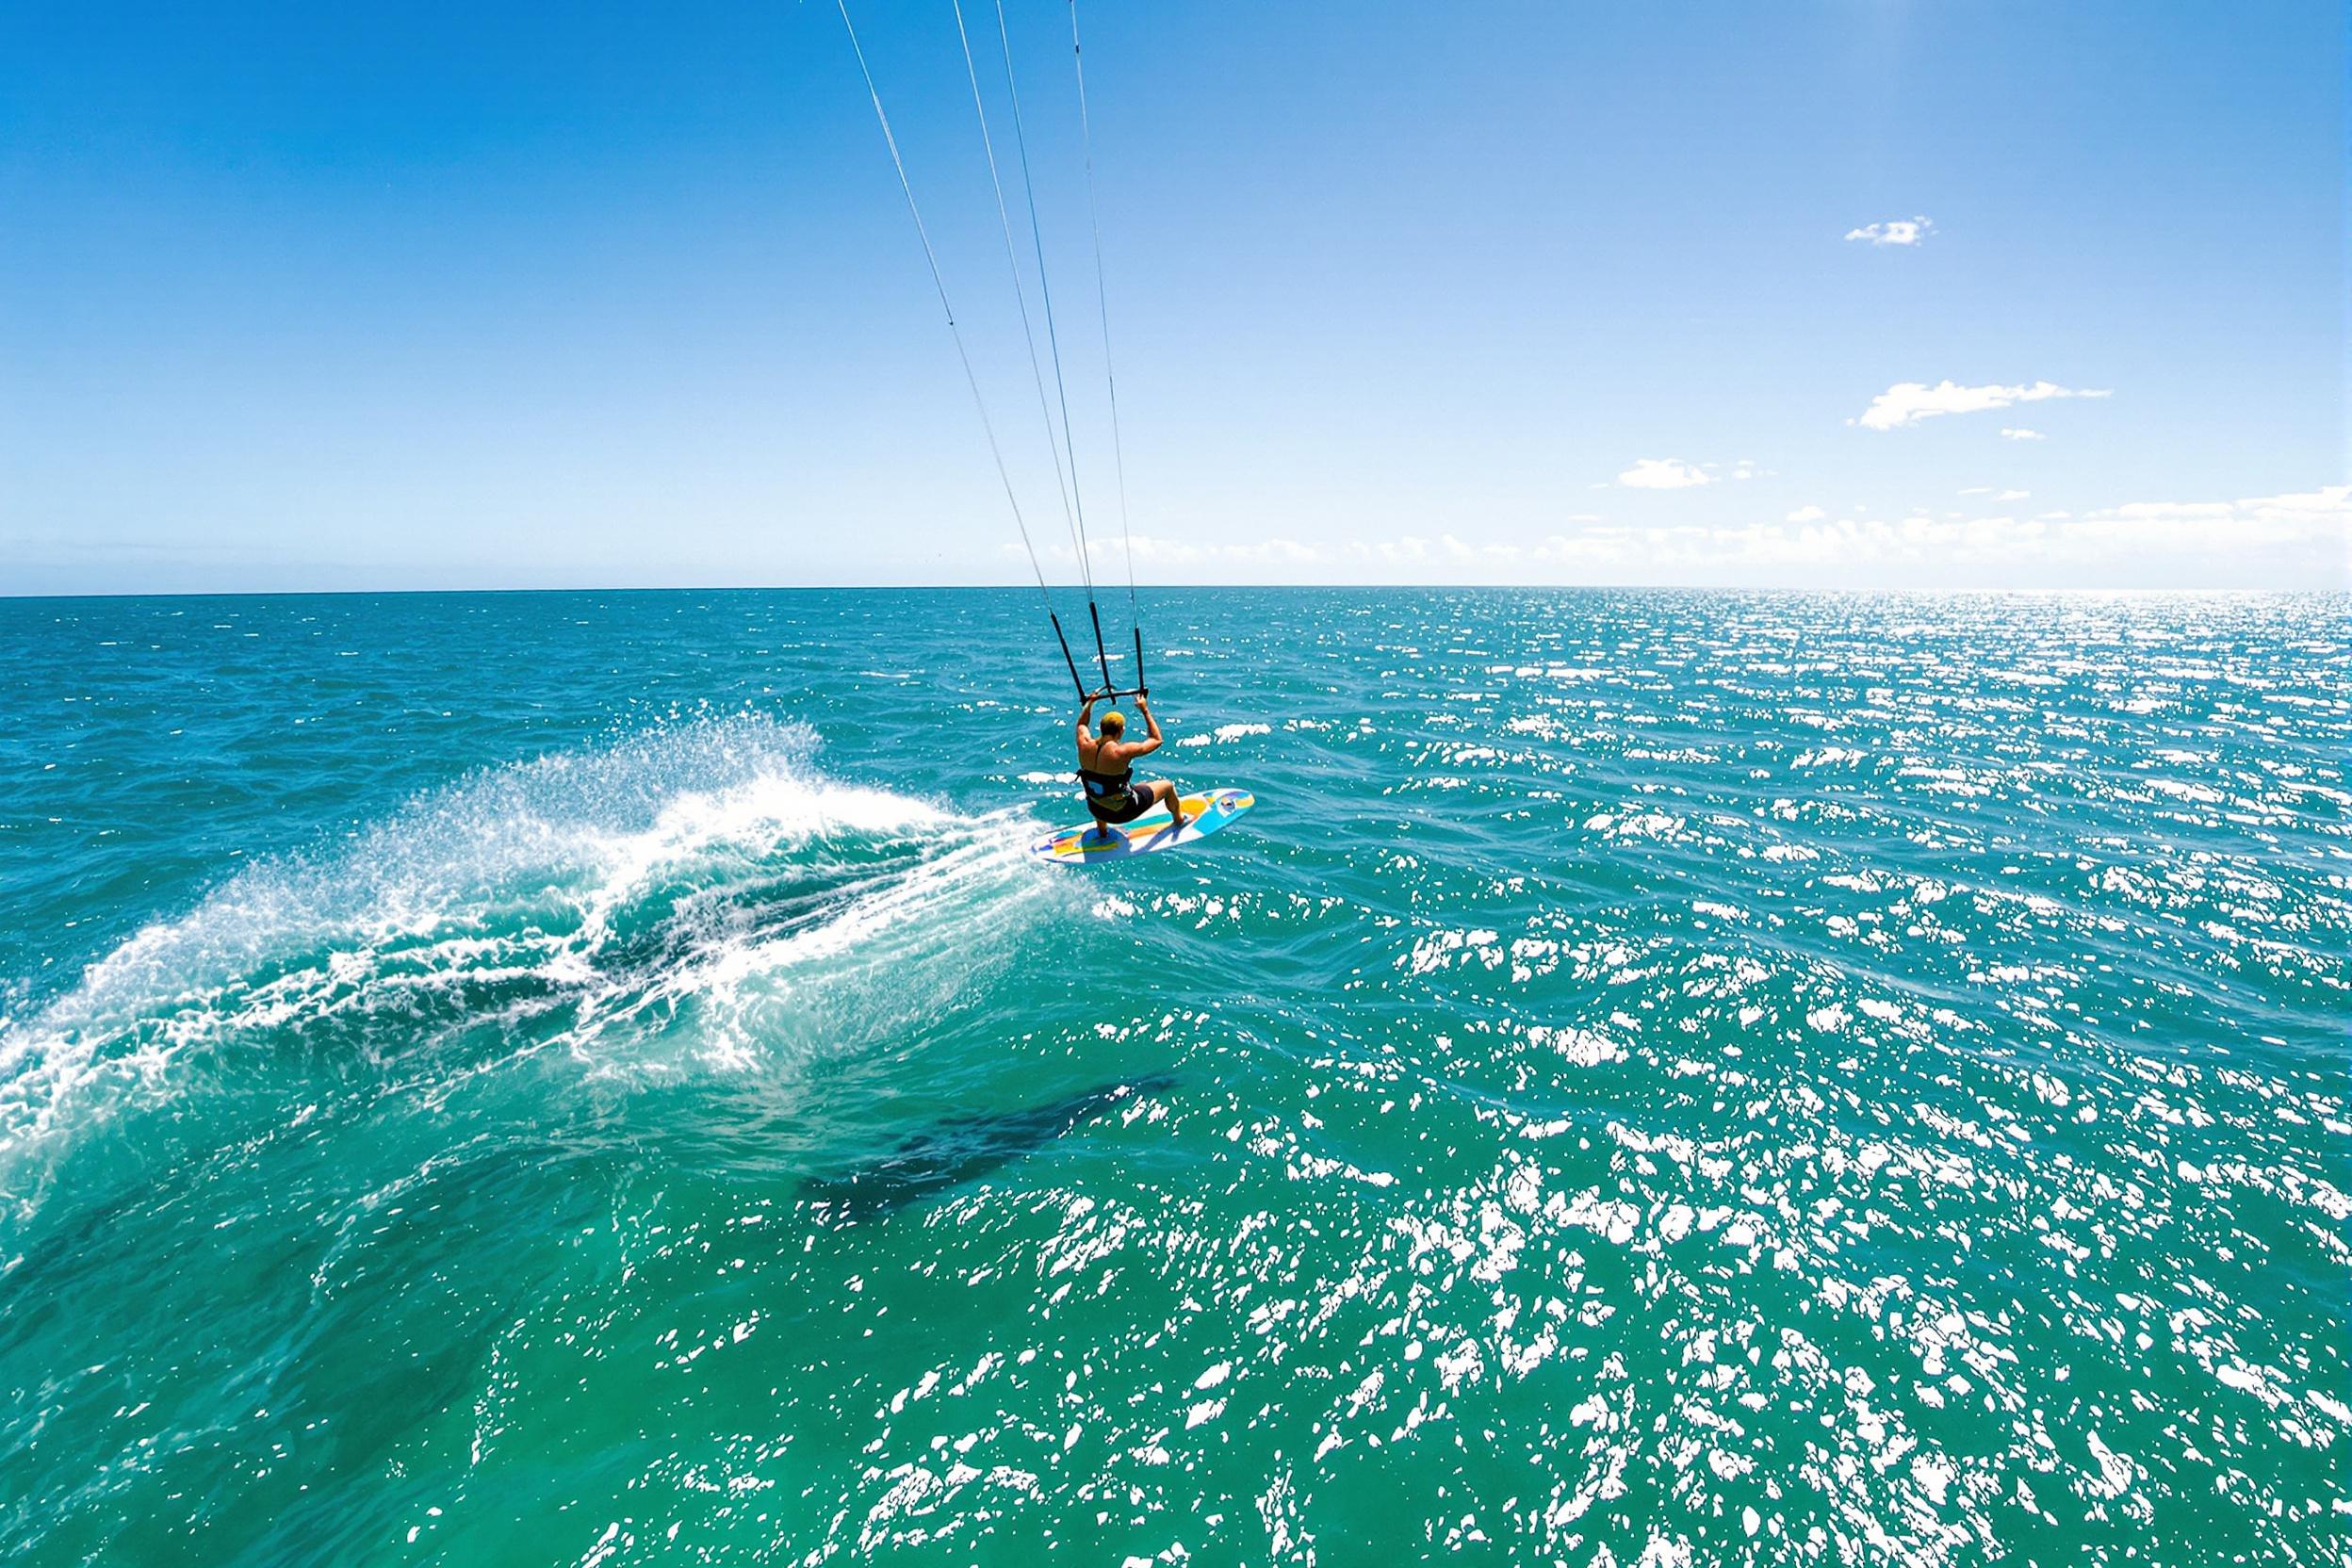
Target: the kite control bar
(1140, 689)
(1065, 657)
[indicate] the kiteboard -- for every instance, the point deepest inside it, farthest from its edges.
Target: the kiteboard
(1154, 831)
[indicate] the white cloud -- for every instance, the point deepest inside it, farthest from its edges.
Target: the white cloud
(2290, 540)
(1910, 402)
(2298, 539)
(1663, 473)
(2016, 433)
(2257, 519)
(2014, 495)
(1895, 230)
(1106, 553)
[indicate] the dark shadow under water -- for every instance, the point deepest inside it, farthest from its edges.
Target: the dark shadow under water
(957, 1150)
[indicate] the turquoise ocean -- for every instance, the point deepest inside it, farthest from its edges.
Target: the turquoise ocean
(1662, 1078)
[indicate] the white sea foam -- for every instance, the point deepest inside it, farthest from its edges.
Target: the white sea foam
(1226, 732)
(708, 874)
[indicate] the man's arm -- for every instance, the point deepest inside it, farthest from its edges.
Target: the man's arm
(1150, 727)
(1085, 713)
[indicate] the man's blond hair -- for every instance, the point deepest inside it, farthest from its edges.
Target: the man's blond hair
(1114, 723)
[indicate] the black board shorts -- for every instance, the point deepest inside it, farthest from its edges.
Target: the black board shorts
(1124, 806)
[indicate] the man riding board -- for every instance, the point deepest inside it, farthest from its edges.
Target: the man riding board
(1106, 767)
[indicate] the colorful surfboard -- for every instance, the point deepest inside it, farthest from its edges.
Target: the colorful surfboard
(1154, 831)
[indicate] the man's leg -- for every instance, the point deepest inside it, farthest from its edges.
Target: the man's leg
(1165, 793)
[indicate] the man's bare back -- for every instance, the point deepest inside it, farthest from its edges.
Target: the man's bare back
(1106, 763)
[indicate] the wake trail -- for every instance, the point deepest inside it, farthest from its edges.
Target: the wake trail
(701, 898)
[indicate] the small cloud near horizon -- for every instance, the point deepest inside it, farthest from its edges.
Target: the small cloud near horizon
(1895, 230)
(2282, 539)
(1663, 473)
(1906, 403)
(2019, 433)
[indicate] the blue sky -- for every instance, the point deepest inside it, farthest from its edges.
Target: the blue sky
(312, 297)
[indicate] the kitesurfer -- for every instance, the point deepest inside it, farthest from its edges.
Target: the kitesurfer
(1106, 766)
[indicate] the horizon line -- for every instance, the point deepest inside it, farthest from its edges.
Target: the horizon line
(2086, 590)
